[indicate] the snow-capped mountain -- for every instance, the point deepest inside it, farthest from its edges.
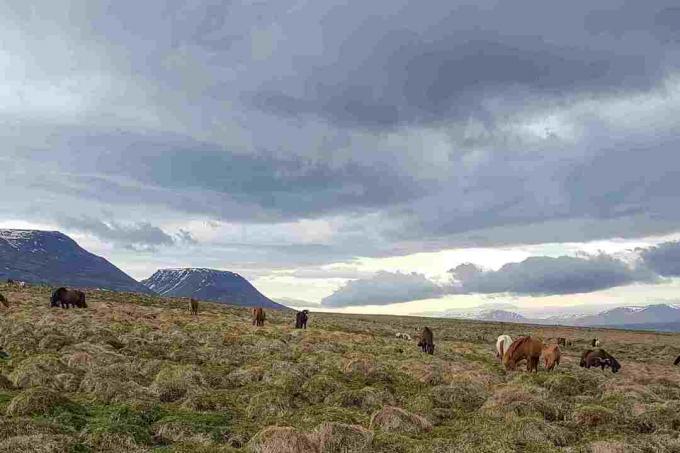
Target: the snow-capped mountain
(501, 316)
(660, 313)
(208, 284)
(53, 258)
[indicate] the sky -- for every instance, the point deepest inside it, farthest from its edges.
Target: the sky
(379, 157)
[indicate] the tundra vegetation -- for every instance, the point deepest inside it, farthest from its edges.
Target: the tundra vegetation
(139, 373)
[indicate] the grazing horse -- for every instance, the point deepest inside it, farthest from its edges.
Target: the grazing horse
(66, 297)
(258, 316)
(502, 344)
(301, 319)
(561, 341)
(677, 361)
(528, 348)
(426, 341)
(193, 306)
(551, 356)
(10, 282)
(3, 301)
(599, 358)
(595, 343)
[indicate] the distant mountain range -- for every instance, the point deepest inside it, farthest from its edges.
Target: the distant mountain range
(652, 317)
(53, 258)
(208, 284)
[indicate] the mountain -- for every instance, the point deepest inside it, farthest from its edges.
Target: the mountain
(208, 284)
(53, 258)
(651, 314)
(501, 316)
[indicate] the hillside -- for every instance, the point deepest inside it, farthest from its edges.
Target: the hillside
(138, 373)
(53, 258)
(208, 284)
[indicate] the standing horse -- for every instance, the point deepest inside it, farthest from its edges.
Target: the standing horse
(502, 344)
(193, 306)
(528, 348)
(258, 316)
(426, 340)
(65, 297)
(301, 319)
(551, 356)
(3, 301)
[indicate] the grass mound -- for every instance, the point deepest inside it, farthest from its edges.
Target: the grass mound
(269, 404)
(319, 387)
(282, 440)
(38, 443)
(397, 420)
(35, 401)
(341, 438)
(174, 382)
(38, 370)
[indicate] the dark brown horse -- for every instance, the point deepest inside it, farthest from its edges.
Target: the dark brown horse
(426, 340)
(258, 316)
(3, 301)
(528, 348)
(677, 361)
(65, 297)
(194, 306)
(301, 319)
(599, 358)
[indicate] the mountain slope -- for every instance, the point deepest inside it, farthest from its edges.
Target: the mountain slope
(208, 284)
(53, 258)
(651, 314)
(501, 316)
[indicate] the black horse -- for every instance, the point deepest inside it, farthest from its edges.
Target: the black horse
(426, 340)
(64, 297)
(301, 319)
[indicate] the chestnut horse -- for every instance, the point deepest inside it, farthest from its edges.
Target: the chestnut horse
(258, 316)
(551, 356)
(194, 306)
(528, 348)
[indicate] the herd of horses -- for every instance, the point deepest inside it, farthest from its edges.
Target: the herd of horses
(510, 353)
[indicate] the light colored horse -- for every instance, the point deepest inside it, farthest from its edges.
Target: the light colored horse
(502, 345)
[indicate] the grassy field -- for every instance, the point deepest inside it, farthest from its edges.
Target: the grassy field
(136, 373)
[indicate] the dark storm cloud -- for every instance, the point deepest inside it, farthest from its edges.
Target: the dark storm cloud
(459, 124)
(383, 288)
(664, 259)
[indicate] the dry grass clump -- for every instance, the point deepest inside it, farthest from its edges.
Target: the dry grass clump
(397, 420)
(342, 438)
(601, 446)
(5, 383)
(38, 370)
(269, 404)
(521, 401)
(246, 375)
(36, 400)
(54, 342)
(593, 415)
(38, 443)
(174, 382)
(367, 398)
(276, 439)
(319, 387)
(464, 395)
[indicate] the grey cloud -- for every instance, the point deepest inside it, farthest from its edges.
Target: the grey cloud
(541, 275)
(136, 236)
(535, 276)
(382, 289)
(663, 259)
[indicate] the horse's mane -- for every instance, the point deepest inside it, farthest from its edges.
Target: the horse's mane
(516, 344)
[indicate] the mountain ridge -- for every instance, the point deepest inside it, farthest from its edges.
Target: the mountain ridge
(51, 257)
(208, 284)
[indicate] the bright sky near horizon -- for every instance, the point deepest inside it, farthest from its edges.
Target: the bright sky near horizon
(377, 157)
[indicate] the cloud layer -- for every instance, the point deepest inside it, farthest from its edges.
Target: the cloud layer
(400, 128)
(534, 276)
